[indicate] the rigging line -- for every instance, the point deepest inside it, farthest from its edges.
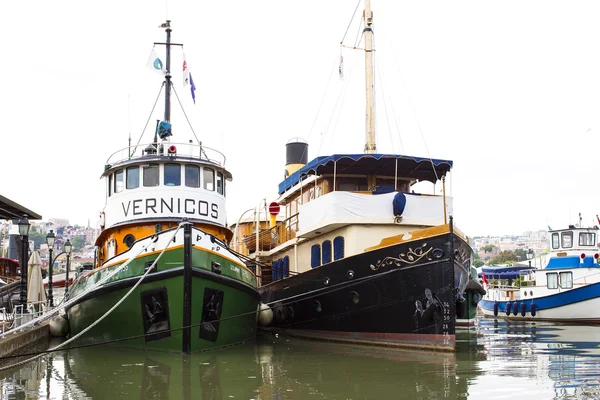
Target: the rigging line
(149, 116)
(341, 96)
(188, 121)
(350, 23)
(358, 38)
(107, 313)
(333, 69)
(385, 107)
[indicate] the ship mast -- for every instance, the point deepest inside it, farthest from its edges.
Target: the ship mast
(167, 25)
(370, 146)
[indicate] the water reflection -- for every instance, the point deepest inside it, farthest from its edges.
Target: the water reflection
(496, 360)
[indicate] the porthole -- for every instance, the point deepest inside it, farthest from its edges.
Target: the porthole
(129, 240)
(354, 297)
(317, 305)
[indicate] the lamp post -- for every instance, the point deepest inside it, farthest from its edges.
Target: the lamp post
(68, 248)
(50, 238)
(529, 256)
(24, 232)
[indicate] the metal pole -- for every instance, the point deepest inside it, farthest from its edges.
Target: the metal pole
(370, 146)
(50, 268)
(23, 284)
(67, 275)
(187, 289)
(168, 74)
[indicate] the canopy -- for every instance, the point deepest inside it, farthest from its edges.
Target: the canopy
(505, 271)
(422, 169)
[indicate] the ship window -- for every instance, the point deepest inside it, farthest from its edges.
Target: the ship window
(220, 182)
(133, 177)
(338, 248)
(315, 256)
(551, 280)
(111, 248)
(172, 174)
(109, 185)
(567, 239)
(192, 176)
(566, 280)
(587, 239)
(151, 175)
(286, 267)
(119, 181)
(326, 252)
(129, 240)
(209, 179)
(555, 244)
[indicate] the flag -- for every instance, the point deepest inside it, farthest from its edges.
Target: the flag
(186, 72)
(484, 278)
(193, 89)
(155, 63)
(341, 68)
(549, 228)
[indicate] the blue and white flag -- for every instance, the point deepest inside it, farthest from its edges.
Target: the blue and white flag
(155, 63)
(187, 79)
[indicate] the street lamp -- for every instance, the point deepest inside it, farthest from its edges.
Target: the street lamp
(529, 256)
(24, 232)
(68, 248)
(50, 238)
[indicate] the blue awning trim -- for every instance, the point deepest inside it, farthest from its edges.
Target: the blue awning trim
(422, 169)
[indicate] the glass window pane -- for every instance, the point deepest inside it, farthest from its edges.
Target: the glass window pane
(587, 239)
(172, 174)
(119, 181)
(338, 248)
(326, 252)
(209, 179)
(109, 185)
(133, 177)
(567, 239)
(151, 175)
(566, 280)
(552, 281)
(219, 182)
(192, 176)
(555, 243)
(315, 256)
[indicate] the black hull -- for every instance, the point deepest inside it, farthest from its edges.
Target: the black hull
(400, 295)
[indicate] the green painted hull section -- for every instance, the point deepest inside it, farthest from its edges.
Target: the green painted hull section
(238, 319)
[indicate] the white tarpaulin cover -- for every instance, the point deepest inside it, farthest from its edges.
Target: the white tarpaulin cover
(347, 208)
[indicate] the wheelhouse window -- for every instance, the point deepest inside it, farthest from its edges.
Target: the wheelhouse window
(566, 280)
(286, 267)
(151, 175)
(133, 177)
(119, 184)
(315, 256)
(552, 280)
(326, 252)
(555, 242)
(172, 175)
(110, 180)
(192, 176)
(220, 182)
(209, 179)
(587, 239)
(567, 240)
(338, 248)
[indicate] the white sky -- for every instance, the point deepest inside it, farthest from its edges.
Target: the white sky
(510, 91)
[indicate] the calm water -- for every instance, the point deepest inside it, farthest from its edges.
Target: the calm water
(494, 361)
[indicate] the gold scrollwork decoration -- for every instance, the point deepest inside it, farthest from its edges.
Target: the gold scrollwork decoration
(411, 257)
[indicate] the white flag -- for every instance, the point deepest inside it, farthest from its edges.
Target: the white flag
(186, 72)
(155, 63)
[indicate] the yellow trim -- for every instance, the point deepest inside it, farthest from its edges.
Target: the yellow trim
(413, 235)
(157, 252)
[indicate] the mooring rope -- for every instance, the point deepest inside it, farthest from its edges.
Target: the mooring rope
(107, 313)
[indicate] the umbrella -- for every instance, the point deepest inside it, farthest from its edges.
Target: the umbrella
(35, 287)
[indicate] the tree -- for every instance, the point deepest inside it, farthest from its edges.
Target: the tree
(488, 248)
(505, 257)
(478, 263)
(522, 254)
(78, 242)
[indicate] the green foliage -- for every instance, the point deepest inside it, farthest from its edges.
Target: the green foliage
(475, 256)
(488, 248)
(38, 239)
(478, 263)
(78, 242)
(522, 254)
(505, 257)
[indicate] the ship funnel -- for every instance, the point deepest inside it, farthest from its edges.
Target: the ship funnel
(296, 155)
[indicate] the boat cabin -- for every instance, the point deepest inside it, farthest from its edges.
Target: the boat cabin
(155, 189)
(9, 270)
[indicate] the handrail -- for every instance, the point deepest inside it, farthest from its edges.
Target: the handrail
(190, 150)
